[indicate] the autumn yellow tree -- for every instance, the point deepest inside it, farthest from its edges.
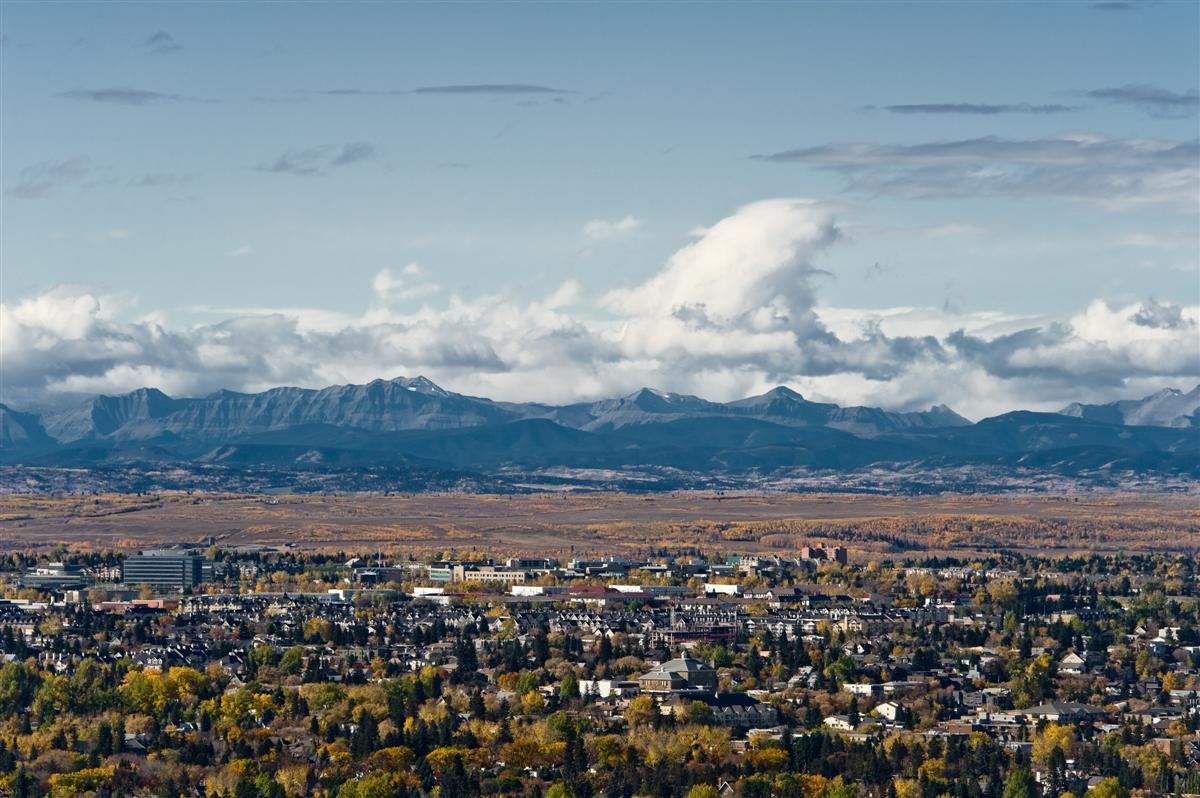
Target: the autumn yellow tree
(1053, 736)
(641, 711)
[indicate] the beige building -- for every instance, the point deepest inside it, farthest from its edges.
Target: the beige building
(487, 573)
(678, 675)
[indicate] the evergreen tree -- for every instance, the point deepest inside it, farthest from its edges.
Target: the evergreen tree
(104, 739)
(1021, 784)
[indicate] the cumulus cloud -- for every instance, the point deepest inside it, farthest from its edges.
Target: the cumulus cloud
(47, 177)
(1115, 173)
(1161, 316)
(1061, 351)
(393, 285)
(604, 229)
(733, 312)
(1153, 100)
(751, 267)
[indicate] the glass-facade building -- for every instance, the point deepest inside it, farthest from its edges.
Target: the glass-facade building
(168, 570)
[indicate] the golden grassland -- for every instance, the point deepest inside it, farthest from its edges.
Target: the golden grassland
(610, 523)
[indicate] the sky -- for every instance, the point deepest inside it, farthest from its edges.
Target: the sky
(987, 205)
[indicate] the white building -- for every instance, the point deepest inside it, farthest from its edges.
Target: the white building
(605, 688)
(839, 722)
(889, 710)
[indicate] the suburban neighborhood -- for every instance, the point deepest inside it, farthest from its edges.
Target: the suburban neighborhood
(260, 670)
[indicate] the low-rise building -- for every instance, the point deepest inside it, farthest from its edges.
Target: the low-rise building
(678, 675)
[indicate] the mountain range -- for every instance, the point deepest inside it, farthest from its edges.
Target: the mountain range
(415, 424)
(1170, 407)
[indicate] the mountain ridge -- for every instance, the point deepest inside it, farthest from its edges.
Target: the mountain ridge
(417, 403)
(1169, 407)
(414, 426)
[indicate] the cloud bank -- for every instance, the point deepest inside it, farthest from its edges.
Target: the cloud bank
(125, 96)
(1153, 100)
(733, 312)
(1115, 173)
(451, 89)
(977, 109)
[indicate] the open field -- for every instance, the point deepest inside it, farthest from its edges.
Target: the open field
(590, 524)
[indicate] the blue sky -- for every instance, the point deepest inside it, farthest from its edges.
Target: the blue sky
(185, 168)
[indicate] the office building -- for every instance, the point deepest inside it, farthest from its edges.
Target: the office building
(54, 576)
(166, 569)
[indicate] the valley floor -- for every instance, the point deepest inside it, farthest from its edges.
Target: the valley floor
(592, 524)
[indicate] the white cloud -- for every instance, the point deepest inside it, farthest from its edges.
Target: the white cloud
(1148, 241)
(393, 285)
(242, 251)
(753, 265)
(731, 313)
(567, 294)
(909, 322)
(603, 229)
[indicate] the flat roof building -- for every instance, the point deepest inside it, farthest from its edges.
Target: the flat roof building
(166, 569)
(54, 576)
